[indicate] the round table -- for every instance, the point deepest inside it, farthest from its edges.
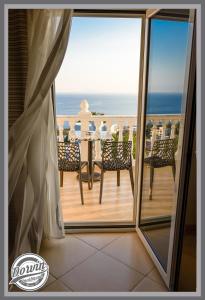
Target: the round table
(90, 137)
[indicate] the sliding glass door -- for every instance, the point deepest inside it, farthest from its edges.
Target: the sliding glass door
(165, 123)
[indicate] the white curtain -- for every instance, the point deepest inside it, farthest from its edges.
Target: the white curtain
(33, 171)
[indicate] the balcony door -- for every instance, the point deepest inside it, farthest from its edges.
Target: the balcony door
(97, 101)
(166, 112)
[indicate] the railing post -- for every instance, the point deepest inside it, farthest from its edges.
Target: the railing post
(61, 137)
(172, 130)
(154, 134)
(163, 130)
(72, 129)
(84, 116)
(109, 125)
(98, 143)
(130, 124)
(84, 124)
(120, 126)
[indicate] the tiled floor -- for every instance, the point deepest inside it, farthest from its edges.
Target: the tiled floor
(102, 262)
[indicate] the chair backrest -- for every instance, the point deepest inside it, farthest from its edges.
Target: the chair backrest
(117, 153)
(69, 153)
(164, 149)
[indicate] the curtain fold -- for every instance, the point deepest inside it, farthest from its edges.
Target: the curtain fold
(33, 171)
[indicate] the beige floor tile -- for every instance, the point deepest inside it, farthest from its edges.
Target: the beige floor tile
(155, 276)
(129, 250)
(98, 240)
(101, 273)
(63, 254)
(56, 286)
(50, 280)
(148, 285)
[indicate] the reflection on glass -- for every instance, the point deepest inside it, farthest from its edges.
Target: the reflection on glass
(164, 131)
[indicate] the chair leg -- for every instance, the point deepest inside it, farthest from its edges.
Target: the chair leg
(101, 185)
(92, 174)
(151, 182)
(118, 177)
(81, 187)
(89, 184)
(174, 171)
(132, 180)
(61, 178)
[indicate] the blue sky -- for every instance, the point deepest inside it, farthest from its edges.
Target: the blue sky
(103, 56)
(168, 54)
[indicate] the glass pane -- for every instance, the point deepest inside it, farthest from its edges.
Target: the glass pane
(164, 131)
(97, 94)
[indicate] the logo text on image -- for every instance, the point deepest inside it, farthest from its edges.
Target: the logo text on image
(29, 272)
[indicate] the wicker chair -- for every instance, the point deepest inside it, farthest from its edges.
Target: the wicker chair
(116, 156)
(69, 160)
(162, 155)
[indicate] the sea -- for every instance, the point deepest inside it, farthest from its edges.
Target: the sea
(118, 104)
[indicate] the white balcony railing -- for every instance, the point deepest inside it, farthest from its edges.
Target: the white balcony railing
(161, 126)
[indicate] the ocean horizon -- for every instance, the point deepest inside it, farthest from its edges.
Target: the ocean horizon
(118, 104)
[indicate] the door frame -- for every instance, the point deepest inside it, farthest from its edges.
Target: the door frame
(186, 154)
(188, 87)
(118, 225)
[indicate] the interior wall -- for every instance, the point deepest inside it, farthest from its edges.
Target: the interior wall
(18, 62)
(191, 204)
(17, 73)
(187, 275)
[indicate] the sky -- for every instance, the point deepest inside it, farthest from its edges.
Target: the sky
(102, 56)
(168, 53)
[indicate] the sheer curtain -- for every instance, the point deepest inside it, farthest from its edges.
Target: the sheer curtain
(33, 171)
